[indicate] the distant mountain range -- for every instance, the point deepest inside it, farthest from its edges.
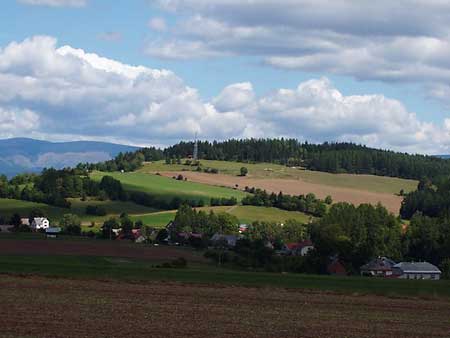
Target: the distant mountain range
(444, 156)
(18, 155)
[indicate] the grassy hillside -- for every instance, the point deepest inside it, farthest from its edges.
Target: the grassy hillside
(169, 188)
(245, 214)
(379, 184)
(8, 207)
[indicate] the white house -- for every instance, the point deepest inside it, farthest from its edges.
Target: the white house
(416, 270)
(39, 223)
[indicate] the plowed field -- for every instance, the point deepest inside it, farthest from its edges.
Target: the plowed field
(63, 308)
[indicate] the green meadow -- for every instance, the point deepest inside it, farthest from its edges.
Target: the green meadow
(8, 207)
(245, 214)
(169, 188)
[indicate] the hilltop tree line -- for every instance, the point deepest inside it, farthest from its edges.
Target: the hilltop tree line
(328, 157)
(128, 161)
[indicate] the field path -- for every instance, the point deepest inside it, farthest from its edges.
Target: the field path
(296, 187)
(63, 308)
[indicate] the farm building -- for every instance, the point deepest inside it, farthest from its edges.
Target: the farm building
(39, 223)
(380, 267)
(52, 232)
(229, 240)
(416, 270)
(335, 267)
(243, 228)
(298, 249)
(6, 228)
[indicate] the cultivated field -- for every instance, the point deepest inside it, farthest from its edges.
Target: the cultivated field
(40, 307)
(370, 183)
(297, 187)
(167, 187)
(50, 249)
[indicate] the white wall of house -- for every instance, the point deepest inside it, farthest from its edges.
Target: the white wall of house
(425, 275)
(40, 223)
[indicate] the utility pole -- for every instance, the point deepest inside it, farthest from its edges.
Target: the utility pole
(195, 154)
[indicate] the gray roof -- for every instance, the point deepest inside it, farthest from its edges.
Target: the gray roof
(380, 263)
(230, 239)
(417, 267)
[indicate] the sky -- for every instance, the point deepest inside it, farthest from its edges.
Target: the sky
(156, 72)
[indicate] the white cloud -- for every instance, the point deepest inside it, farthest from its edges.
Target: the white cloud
(317, 111)
(67, 93)
(235, 96)
(157, 24)
(79, 93)
(15, 121)
(384, 40)
(55, 3)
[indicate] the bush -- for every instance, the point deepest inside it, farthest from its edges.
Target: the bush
(95, 210)
(178, 263)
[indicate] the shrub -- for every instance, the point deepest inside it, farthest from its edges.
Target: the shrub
(95, 210)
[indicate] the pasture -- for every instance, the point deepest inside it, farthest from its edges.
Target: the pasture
(245, 214)
(8, 207)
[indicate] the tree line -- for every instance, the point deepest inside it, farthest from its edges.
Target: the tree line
(56, 187)
(328, 157)
(307, 204)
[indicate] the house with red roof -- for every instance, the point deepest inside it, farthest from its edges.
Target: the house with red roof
(298, 248)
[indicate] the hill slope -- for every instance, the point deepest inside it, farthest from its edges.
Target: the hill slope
(19, 155)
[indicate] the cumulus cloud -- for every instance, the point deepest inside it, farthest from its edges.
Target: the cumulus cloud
(317, 111)
(55, 3)
(81, 93)
(389, 41)
(64, 92)
(15, 121)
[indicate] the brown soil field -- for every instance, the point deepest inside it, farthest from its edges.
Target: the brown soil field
(296, 187)
(62, 308)
(96, 248)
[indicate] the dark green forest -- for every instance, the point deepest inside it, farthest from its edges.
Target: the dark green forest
(328, 157)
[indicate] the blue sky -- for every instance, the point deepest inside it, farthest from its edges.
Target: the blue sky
(308, 69)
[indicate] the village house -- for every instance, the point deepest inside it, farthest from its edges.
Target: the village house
(229, 240)
(52, 232)
(25, 221)
(335, 267)
(6, 228)
(379, 267)
(297, 249)
(416, 270)
(243, 228)
(39, 223)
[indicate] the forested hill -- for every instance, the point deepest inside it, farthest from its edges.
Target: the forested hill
(328, 157)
